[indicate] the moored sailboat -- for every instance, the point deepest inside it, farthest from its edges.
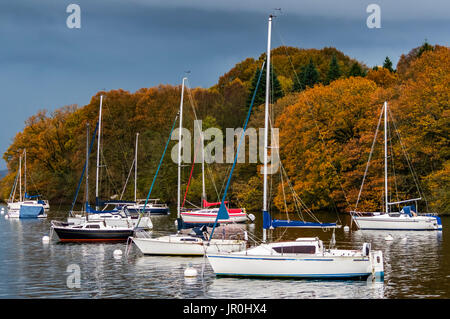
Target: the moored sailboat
(302, 258)
(90, 230)
(408, 217)
(27, 206)
(179, 244)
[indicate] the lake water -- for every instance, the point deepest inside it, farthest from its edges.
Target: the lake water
(417, 265)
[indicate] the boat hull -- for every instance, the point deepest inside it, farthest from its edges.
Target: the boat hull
(144, 223)
(84, 235)
(150, 210)
(173, 246)
(27, 211)
(323, 267)
(208, 216)
(385, 222)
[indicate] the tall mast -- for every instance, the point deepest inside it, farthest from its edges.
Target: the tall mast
(135, 167)
(203, 169)
(266, 123)
(386, 202)
(98, 151)
(25, 173)
(179, 151)
(87, 168)
(20, 177)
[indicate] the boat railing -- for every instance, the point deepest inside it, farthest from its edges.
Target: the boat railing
(142, 234)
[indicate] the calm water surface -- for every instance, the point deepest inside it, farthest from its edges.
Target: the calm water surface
(417, 265)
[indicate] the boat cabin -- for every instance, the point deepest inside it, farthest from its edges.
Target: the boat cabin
(301, 246)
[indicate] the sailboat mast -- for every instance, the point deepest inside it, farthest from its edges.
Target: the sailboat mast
(87, 168)
(25, 173)
(98, 151)
(203, 170)
(266, 123)
(135, 167)
(386, 202)
(179, 151)
(20, 177)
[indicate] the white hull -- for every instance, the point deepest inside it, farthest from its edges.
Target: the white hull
(14, 209)
(114, 220)
(263, 261)
(208, 216)
(402, 222)
(177, 245)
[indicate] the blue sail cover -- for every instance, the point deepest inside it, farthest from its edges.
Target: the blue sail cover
(298, 223)
(28, 211)
(407, 209)
(90, 210)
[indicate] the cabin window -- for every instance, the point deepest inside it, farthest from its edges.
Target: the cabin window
(188, 239)
(295, 249)
(394, 214)
(93, 226)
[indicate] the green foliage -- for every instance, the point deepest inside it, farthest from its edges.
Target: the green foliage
(388, 64)
(260, 97)
(334, 72)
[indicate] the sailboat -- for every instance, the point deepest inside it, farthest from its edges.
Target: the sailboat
(408, 218)
(88, 230)
(118, 216)
(27, 206)
(153, 206)
(206, 215)
(194, 243)
(302, 258)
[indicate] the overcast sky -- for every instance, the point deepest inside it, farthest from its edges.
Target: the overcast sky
(131, 44)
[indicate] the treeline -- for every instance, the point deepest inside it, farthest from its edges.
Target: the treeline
(325, 104)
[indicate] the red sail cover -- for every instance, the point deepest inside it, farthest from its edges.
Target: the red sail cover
(206, 204)
(230, 210)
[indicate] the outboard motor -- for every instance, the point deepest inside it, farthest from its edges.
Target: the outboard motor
(366, 249)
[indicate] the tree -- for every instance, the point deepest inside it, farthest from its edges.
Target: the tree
(334, 71)
(275, 93)
(356, 70)
(309, 76)
(388, 64)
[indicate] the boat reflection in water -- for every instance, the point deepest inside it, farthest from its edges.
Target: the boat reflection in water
(224, 288)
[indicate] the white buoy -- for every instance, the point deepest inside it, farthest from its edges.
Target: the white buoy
(190, 272)
(6, 216)
(117, 253)
(45, 239)
(346, 228)
(389, 237)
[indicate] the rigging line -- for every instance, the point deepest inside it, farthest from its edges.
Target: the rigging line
(111, 181)
(393, 166)
(157, 170)
(368, 161)
(193, 106)
(415, 177)
(320, 134)
(126, 182)
(112, 121)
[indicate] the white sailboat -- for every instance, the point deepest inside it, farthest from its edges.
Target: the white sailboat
(115, 217)
(407, 218)
(153, 207)
(26, 206)
(302, 258)
(179, 244)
